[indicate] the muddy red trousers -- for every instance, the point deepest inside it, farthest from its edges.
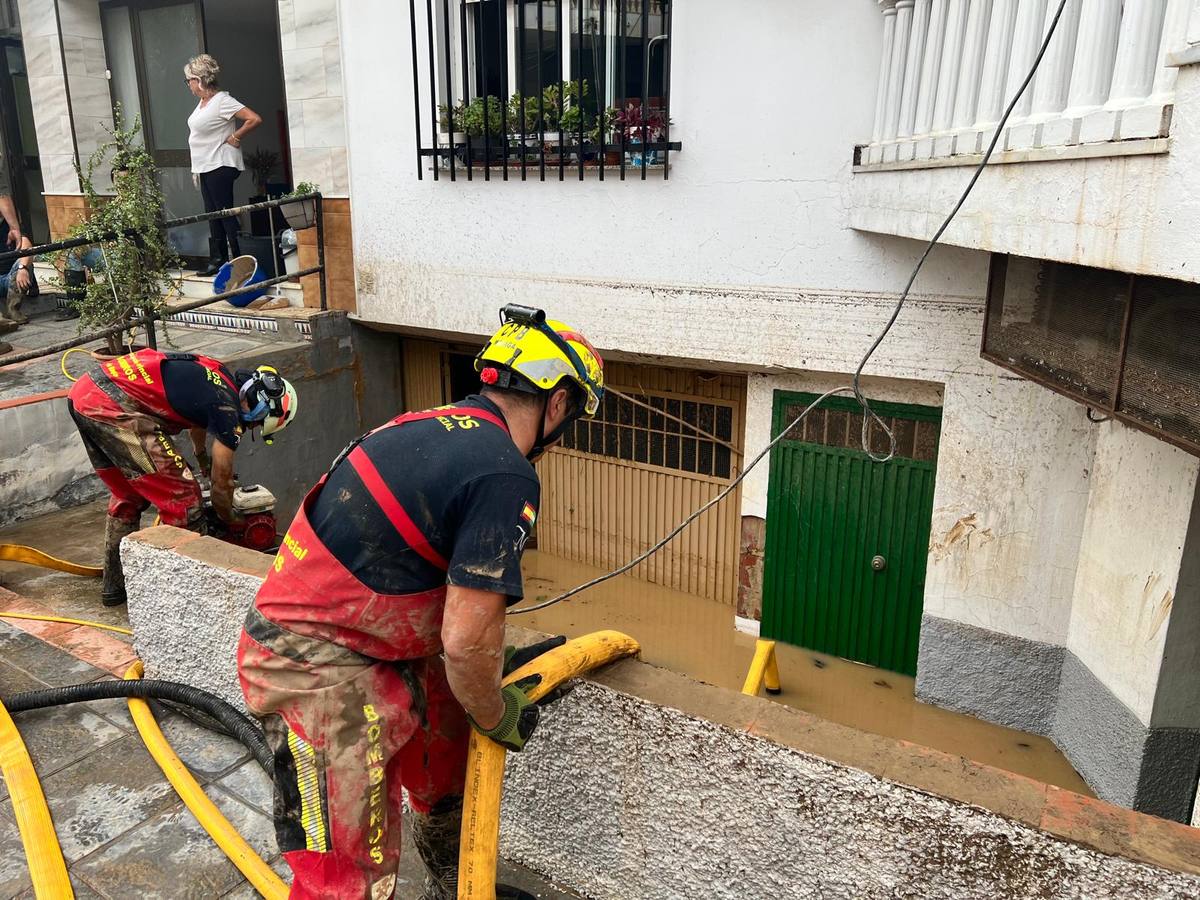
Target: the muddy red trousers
(134, 456)
(349, 733)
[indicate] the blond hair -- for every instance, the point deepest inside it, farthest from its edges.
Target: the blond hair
(203, 67)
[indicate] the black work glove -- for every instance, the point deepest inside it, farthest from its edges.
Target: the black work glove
(515, 657)
(520, 715)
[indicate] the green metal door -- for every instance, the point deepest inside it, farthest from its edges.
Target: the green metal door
(847, 538)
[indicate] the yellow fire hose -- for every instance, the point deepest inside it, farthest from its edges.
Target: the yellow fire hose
(18, 553)
(117, 628)
(241, 854)
(47, 868)
(485, 758)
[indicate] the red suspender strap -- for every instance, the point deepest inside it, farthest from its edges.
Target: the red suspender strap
(387, 501)
(391, 507)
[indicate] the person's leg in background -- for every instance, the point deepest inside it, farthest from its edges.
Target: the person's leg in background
(7, 324)
(218, 253)
(222, 188)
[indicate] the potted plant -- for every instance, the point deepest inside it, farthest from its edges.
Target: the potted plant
(484, 116)
(450, 123)
(301, 214)
(601, 135)
(630, 125)
(261, 164)
(134, 272)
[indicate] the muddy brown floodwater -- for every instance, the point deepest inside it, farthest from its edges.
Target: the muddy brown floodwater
(696, 637)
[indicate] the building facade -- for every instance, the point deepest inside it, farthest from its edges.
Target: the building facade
(733, 245)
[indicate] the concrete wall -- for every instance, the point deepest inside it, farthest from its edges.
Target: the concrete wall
(1131, 213)
(642, 783)
(348, 382)
(1050, 608)
(43, 466)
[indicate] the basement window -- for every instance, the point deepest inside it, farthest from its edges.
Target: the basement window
(1126, 345)
(632, 433)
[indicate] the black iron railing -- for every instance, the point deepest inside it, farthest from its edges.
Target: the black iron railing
(554, 116)
(147, 320)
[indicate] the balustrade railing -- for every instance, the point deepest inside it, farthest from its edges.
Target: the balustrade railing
(948, 67)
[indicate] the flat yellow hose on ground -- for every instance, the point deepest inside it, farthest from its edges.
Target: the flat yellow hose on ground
(12, 615)
(241, 854)
(18, 553)
(47, 868)
(485, 759)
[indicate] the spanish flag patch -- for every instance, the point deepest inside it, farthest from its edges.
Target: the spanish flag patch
(529, 514)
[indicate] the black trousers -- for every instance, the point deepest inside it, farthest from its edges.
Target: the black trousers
(216, 187)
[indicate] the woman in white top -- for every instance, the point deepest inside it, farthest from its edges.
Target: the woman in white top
(217, 126)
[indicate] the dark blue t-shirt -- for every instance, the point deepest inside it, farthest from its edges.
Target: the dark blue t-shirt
(464, 484)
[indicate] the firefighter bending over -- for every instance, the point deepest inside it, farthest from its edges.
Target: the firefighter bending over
(128, 409)
(377, 638)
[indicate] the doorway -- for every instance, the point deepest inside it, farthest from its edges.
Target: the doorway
(20, 141)
(847, 537)
(148, 42)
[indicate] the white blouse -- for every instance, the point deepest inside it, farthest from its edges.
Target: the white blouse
(210, 125)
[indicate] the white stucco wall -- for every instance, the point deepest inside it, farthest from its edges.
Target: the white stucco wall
(1009, 505)
(1131, 213)
(743, 256)
(1129, 558)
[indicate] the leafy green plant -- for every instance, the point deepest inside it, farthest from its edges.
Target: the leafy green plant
(127, 225)
(523, 120)
(262, 163)
(304, 187)
(450, 121)
(473, 117)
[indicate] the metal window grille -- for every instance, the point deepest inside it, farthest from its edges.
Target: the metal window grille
(519, 88)
(623, 430)
(837, 424)
(1126, 345)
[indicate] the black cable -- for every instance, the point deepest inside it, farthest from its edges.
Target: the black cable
(855, 388)
(231, 719)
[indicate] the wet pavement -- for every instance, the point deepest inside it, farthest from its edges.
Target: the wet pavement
(696, 637)
(123, 830)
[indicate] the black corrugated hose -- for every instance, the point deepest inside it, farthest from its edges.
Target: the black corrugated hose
(231, 719)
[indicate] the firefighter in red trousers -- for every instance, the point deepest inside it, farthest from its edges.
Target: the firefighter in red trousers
(127, 410)
(377, 639)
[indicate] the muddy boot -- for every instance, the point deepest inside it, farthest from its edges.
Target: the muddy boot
(5, 348)
(436, 835)
(112, 591)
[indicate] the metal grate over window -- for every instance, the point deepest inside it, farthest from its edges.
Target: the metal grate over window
(835, 425)
(519, 88)
(626, 431)
(1126, 345)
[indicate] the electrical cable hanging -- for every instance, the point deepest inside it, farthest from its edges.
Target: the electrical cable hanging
(855, 388)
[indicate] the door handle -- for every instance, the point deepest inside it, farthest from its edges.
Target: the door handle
(878, 563)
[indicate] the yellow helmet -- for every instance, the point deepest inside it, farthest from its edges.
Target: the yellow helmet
(542, 353)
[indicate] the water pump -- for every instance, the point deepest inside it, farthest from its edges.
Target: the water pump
(256, 528)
